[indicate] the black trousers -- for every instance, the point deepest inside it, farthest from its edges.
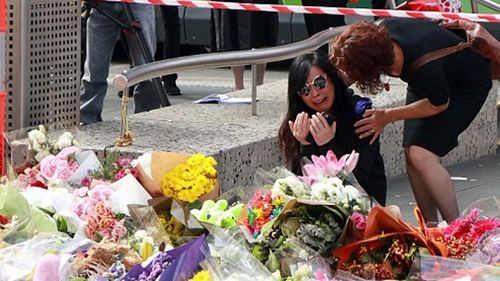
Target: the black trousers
(171, 46)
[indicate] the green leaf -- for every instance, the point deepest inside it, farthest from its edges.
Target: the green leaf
(62, 225)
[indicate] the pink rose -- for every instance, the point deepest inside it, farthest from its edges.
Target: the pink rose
(48, 165)
(66, 152)
(359, 221)
(119, 230)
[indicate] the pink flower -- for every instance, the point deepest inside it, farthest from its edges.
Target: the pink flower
(124, 161)
(48, 166)
(120, 174)
(119, 230)
(359, 221)
(351, 161)
(85, 182)
(66, 152)
(328, 166)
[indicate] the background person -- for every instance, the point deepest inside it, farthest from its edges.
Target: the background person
(315, 87)
(244, 30)
(102, 34)
(171, 45)
(443, 97)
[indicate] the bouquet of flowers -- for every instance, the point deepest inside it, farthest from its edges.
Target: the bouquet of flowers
(318, 227)
(40, 144)
(60, 166)
(114, 167)
(261, 209)
(384, 257)
(189, 181)
(388, 246)
(31, 177)
(218, 213)
(329, 180)
(463, 234)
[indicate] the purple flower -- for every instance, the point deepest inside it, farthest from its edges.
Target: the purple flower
(362, 105)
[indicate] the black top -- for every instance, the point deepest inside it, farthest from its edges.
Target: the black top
(463, 79)
(435, 80)
(370, 171)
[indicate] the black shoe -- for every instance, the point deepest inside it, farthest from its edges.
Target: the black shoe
(172, 90)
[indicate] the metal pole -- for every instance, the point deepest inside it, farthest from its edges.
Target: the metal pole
(473, 6)
(254, 89)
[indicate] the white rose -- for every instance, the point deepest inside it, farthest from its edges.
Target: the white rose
(65, 140)
(32, 134)
(42, 129)
(41, 138)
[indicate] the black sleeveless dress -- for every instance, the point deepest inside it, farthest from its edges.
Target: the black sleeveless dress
(462, 78)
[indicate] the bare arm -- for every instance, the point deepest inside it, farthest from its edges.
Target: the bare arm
(375, 120)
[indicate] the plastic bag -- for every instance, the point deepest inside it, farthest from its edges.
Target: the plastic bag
(487, 251)
(488, 207)
(427, 267)
(18, 261)
(230, 260)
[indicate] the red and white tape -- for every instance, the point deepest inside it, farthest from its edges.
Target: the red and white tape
(318, 10)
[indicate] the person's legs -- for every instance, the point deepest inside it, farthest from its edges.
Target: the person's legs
(101, 38)
(261, 70)
(424, 201)
(145, 97)
(434, 180)
(171, 46)
(238, 72)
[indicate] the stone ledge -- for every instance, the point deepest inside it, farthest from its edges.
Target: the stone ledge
(241, 142)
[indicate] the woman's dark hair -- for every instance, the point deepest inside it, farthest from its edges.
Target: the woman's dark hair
(364, 51)
(343, 108)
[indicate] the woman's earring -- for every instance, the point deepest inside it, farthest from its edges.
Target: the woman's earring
(385, 80)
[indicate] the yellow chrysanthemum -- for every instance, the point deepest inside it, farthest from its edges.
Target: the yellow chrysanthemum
(190, 180)
(202, 276)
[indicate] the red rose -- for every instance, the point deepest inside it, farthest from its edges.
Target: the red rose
(4, 219)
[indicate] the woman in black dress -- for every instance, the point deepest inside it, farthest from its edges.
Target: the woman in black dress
(443, 97)
(314, 87)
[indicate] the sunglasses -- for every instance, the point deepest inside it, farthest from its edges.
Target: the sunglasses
(319, 82)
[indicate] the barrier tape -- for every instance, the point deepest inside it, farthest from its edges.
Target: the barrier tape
(318, 10)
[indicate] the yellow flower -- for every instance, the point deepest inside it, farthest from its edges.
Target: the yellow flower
(258, 212)
(202, 276)
(190, 180)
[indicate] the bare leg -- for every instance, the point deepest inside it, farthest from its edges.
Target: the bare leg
(238, 72)
(261, 70)
(436, 180)
(424, 202)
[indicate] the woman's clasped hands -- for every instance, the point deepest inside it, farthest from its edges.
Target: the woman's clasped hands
(317, 126)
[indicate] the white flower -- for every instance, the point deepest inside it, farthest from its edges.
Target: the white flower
(65, 140)
(70, 218)
(293, 184)
(352, 192)
(37, 136)
(320, 190)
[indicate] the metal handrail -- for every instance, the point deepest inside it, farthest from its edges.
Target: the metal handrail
(130, 77)
(148, 71)
(488, 3)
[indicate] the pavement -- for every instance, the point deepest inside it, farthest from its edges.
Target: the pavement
(473, 180)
